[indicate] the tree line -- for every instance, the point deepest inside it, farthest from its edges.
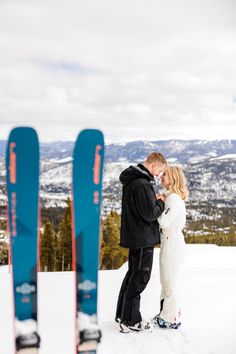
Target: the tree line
(56, 241)
(56, 247)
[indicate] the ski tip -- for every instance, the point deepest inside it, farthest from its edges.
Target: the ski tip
(25, 129)
(90, 130)
(91, 133)
(22, 143)
(23, 133)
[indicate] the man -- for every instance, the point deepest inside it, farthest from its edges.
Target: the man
(140, 233)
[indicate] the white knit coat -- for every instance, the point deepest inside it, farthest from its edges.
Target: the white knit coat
(172, 254)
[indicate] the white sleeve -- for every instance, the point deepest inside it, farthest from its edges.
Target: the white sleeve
(173, 210)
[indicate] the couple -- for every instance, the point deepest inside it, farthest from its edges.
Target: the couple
(143, 212)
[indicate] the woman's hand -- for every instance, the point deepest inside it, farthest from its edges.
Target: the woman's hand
(161, 196)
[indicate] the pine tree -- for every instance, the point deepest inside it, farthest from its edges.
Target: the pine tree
(64, 257)
(3, 253)
(112, 255)
(55, 253)
(47, 249)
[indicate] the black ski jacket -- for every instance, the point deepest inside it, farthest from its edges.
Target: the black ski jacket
(140, 209)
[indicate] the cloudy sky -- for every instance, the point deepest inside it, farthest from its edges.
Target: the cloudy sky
(149, 69)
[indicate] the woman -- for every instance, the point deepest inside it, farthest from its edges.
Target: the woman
(172, 222)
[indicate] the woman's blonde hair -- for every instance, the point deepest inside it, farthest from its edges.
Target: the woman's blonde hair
(178, 183)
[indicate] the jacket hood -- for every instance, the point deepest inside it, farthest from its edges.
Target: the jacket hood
(133, 172)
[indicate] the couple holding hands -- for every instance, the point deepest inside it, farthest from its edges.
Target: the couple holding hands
(148, 219)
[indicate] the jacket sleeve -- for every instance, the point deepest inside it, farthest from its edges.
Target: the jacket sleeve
(172, 211)
(145, 201)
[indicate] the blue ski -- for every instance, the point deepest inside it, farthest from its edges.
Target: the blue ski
(22, 169)
(87, 198)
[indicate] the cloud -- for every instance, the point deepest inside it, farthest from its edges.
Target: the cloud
(134, 68)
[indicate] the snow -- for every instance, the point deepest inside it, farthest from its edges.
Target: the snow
(64, 160)
(172, 160)
(197, 158)
(113, 170)
(222, 157)
(60, 175)
(208, 298)
(25, 327)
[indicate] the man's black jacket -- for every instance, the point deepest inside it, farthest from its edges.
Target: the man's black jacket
(140, 209)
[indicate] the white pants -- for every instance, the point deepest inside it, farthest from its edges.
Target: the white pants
(171, 259)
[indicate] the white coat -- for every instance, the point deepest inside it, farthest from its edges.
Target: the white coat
(172, 254)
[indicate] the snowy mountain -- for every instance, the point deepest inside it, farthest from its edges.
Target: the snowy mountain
(180, 151)
(209, 166)
(208, 290)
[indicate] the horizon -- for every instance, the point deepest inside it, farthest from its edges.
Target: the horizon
(107, 142)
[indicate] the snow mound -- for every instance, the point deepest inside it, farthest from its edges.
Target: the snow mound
(208, 289)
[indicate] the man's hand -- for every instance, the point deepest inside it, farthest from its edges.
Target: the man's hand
(161, 196)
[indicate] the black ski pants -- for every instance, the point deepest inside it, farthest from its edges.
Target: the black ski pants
(135, 281)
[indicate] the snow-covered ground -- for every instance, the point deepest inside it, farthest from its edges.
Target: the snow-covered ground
(208, 304)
